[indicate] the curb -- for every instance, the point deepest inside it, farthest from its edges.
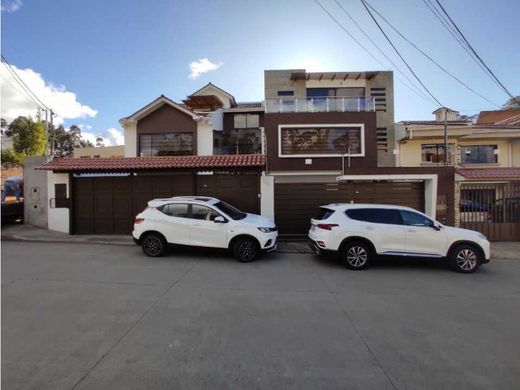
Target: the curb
(63, 241)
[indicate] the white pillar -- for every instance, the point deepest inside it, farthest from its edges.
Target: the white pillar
(267, 196)
(58, 217)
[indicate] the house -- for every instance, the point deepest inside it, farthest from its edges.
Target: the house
(316, 138)
(100, 152)
(486, 155)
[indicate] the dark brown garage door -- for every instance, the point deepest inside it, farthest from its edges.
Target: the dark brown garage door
(296, 203)
(108, 205)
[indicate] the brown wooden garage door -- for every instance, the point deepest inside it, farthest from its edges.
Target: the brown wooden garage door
(108, 205)
(296, 203)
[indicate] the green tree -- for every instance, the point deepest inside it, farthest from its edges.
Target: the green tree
(28, 136)
(513, 102)
(66, 140)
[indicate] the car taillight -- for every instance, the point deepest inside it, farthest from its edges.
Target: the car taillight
(327, 226)
(138, 220)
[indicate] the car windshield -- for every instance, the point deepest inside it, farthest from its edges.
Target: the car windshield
(229, 210)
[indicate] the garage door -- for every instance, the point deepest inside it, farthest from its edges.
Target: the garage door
(296, 203)
(108, 205)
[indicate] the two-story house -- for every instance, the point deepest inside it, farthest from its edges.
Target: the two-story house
(486, 155)
(316, 138)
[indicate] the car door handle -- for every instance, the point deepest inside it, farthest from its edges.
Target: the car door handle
(412, 230)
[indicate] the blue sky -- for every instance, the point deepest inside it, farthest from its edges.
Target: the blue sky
(116, 56)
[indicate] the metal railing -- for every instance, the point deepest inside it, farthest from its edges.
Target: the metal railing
(320, 104)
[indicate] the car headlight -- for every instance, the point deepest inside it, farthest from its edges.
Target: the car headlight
(264, 229)
(483, 237)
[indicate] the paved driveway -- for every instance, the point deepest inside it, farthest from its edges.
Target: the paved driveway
(106, 317)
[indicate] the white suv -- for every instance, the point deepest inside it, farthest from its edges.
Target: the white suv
(202, 221)
(358, 232)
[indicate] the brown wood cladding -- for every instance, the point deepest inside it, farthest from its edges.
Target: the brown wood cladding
(167, 119)
(297, 203)
(275, 163)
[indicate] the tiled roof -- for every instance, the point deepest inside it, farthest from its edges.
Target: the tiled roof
(490, 173)
(438, 123)
(115, 164)
(498, 117)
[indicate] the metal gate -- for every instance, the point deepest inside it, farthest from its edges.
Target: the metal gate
(492, 209)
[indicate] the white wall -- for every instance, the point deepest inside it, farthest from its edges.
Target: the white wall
(204, 139)
(267, 197)
(58, 217)
(130, 139)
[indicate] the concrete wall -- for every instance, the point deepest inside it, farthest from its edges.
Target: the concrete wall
(35, 193)
(104, 151)
(58, 217)
(267, 196)
(515, 153)
(130, 139)
(280, 80)
(204, 139)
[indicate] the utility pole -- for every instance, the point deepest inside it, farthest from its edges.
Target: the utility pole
(52, 137)
(445, 137)
(46, 132)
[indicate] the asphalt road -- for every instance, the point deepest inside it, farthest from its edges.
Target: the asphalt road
(106, 317)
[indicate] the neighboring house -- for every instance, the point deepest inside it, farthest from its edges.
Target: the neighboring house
(100, 152)
(486, 155)
(316, 138)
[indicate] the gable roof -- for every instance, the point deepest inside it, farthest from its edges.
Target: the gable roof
(154, 105)
(210, 85)
(489, 173)
(501, 117)
(442, 109)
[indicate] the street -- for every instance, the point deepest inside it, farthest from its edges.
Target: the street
(85, 316)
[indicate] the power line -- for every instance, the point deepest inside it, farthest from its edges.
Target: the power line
(21, 82)
(428, 56)
(377, 47)
(20, 86)
(475, 53)
(399, 54)
(365, 49)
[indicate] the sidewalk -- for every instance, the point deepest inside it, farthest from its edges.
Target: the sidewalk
(19, 232)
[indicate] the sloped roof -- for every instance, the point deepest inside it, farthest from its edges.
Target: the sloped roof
(117, 164)
(502, 117)
(155, 104)
(489, 173)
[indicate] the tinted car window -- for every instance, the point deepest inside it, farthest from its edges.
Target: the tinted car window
(179, 210)
(414, 219)
(385, 216)
(324, 213)
(203, 213)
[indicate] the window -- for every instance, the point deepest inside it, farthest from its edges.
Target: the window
(478, 154)
(321, 141)
(335, 92)
(246, 121)
(246, 141)
(324, 213)
(434, 153)
(384, 216)
(179, 210)
(168, 144)
(203, 213)
(229, 210)
(285, 93)
(414, 219)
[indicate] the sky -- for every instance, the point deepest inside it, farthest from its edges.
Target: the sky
(97, 61)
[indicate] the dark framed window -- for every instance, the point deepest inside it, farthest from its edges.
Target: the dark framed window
(415, 219)
(478, 154)
(434, 153)
(179, 210)
(203, 213)
(285, 93)
(318, 140)
(246, 121)
(166, 144)
(246, 141)
(384, 216)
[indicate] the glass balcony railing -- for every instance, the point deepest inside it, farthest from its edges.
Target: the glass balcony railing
(319, 104)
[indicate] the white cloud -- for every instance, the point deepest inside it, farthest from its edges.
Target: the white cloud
(111, 136)
(11, 5)
(15, 102)
(203, 65)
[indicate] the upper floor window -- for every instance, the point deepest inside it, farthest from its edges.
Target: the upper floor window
(321, 141)
(167, 144)
(285, 93)
(348, 92)
(244, 141)
(478, 154)
(246, 121)
(434, 153)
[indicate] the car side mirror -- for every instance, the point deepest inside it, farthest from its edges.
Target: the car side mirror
(436, 226)
(219, 219)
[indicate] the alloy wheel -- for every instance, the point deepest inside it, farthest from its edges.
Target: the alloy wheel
(466, 259)
(152, 245)
(247, 250)
(357, 256)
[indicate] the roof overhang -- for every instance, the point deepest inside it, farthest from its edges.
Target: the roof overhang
(331, 76)
(154, 105)
(489, 174)
(211, 102)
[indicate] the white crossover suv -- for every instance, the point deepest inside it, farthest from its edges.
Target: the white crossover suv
(202, 221)
(358, 232)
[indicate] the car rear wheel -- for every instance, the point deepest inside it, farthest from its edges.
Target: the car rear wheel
(154, 245)
(245, 250)
(356, 255)
(465, 258)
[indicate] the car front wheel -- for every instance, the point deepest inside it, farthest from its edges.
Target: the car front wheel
(245, 250)
(154, 245)
(356, 255)
(465, 258)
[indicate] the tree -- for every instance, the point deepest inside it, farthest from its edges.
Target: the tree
(28, 136)
(513, 102)
(66, 140)
(100, 142)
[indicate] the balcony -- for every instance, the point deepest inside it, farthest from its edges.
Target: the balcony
(319, 104)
